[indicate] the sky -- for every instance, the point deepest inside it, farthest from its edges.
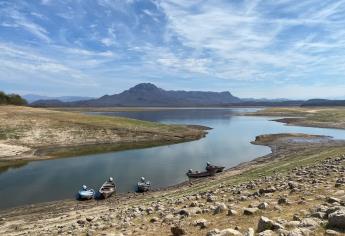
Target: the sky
(252, 48)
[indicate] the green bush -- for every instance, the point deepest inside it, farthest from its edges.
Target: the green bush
(12, 99)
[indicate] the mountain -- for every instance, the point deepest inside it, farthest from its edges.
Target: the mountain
(147, 94)
(323, 102)
(34, 97)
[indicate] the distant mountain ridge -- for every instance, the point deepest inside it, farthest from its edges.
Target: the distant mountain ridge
(34, 97)
(323, 102)
(147, 94)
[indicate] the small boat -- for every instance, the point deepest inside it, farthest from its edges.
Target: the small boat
(213, 167)
(107, 189)
(85, 193)
(143, 186)
(197, 174)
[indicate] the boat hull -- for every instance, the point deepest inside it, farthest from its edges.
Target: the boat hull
(200, 174)
(107, 189)
(217, 169)
(86, 195)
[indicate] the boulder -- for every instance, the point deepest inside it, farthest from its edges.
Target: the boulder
(177, 230)
(202, 223)
(230, 232)
(263, 205)
(221, 207)
(250, 211)
(337, 219)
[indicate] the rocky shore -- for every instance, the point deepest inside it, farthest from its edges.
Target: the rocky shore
(298, 189)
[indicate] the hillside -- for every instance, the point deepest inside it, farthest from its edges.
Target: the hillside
(147, 94)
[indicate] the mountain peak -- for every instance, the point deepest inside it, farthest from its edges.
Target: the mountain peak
(145, 87)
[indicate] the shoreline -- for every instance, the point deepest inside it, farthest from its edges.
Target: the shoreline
(66, 212)
(30, 134)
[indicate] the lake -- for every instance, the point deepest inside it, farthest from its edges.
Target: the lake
(228, 144)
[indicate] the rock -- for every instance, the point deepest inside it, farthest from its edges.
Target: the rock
(263, 205)
(249, 232)
(213, 232)
(309, 223)
(202, 223)
(333, 200)
(292, 185)
(250, 211)
(337, 219)
(220, 208)
(230, 232)
(168, 218)
(267, 224)
(330, 232)
(190, 211)
(211, 198)
(266, 233)
(177, 230)
(232, 212)
(282, 200)
(90, 218)
(267, 190)
(80, 222)
(264, 224)
(154, 219)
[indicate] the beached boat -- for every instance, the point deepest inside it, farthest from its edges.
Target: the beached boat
(217, 169)
(143, 186)
(197, 174)
(107, 189)
(85, 193)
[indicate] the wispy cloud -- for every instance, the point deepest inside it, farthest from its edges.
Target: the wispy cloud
(238, 45)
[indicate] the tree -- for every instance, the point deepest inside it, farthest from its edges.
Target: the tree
(12, 99)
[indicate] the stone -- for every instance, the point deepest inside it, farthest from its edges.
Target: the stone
(232, 212)
(202, 223)
(337, 219)
(249, 232)
(177, 230)
(154, 219)
(211, 198)
(263, 205)
(264, 224)
(267, 233)
(250, 211)
(213, 232)
(80, 222)
(267, 224)
(330, 232)
(168, 218)
(230, 232)
(282, 200)
(221, 207)
(309, 223)
(333, 200)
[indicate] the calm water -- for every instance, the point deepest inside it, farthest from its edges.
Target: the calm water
(228, 144)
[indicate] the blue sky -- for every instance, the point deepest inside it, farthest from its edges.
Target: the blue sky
(252, 48)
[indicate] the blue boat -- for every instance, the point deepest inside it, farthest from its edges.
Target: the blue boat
(85, 193)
